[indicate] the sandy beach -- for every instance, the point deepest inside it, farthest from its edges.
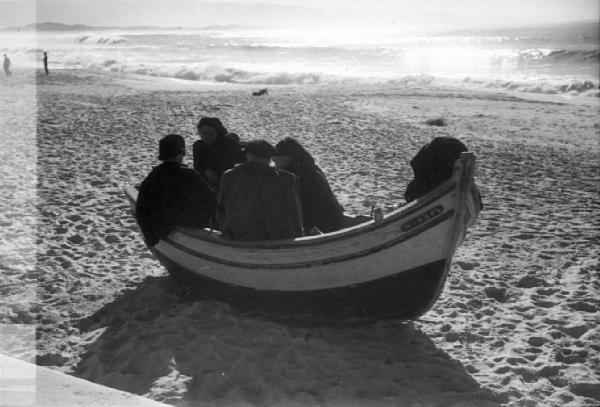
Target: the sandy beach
(517, 323)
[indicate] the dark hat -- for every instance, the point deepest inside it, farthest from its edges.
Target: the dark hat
(213, 122)
(286, 146)
(260, 148)
(170, 145)
(291, 147)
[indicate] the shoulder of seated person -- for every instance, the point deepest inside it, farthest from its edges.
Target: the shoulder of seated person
(236, 168)
(286, 175)
(239, 166)
(202, 146)
(228, 141)
(189, 171)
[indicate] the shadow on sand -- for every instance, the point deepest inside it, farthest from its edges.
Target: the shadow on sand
(163, 341)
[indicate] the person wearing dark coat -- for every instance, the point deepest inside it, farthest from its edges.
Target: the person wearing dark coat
(46, 63)
(216, 151)
(173, 195)
(257, 201)
(320, 207)
(434, 164)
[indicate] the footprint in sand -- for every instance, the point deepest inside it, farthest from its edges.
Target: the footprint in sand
(544, 304)
(584, 306)
(497, 293)
(575, 331)
(531, 282)
(570, 356)
(537, 341)
(590, 390)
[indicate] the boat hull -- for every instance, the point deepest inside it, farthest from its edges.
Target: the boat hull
(405, 295)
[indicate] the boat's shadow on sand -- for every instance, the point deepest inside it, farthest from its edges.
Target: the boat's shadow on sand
(162, 341)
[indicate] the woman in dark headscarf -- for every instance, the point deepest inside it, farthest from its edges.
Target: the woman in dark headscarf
(433, 164)
(320, 207)
(215, 152)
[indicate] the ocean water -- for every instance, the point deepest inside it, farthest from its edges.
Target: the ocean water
(554, 60)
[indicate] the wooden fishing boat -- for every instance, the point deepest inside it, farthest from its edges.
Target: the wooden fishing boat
(390, 267)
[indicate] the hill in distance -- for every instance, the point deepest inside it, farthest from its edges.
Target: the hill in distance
(48, 26)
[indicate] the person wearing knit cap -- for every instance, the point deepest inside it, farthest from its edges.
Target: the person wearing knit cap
(215, 152)
(173, 195)
(320, 207)
(257, 201)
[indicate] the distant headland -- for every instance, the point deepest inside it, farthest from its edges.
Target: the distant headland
(48, 26)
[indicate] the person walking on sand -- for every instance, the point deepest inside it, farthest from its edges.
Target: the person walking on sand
(257, 201)
(215, 152)
(46, 63)
(320, 207)
(173, 195)
(7, 66)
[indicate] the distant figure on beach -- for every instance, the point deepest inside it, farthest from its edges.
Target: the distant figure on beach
(173, 195)
(432, 165)
(258, 201)
(320, 207)
(262, 92)
(7, 66)
(46, 63)
(215, 153)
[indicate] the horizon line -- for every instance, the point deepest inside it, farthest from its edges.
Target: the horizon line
(77, 26)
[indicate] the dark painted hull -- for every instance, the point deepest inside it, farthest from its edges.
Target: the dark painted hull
(405, 295)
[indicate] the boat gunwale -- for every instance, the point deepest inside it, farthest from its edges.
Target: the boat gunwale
(325, 261)
(347, 233)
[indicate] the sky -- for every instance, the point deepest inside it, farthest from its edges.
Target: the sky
(282, 13)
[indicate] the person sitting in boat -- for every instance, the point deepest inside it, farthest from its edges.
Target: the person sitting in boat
(215, 152)
(173, 195)
(320, 207)
(434, 164)
(258, 201)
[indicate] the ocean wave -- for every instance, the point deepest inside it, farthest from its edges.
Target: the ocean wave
(207, 73)
(22, 50)
(544, 86)
(266, 78)
(99, 39)
(289, 47)
(239, 76)
(225, 74)
(33, 50)
(560, 55)
(589, 55)
(412, 80)
(537, 53)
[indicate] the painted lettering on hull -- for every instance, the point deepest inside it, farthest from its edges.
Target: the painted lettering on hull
(422, 218)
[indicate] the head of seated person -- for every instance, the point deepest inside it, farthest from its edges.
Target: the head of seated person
(259, 151)
(290, 154)
(210, 129)
(171, 148)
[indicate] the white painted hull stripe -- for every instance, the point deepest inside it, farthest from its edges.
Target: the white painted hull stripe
(320, 262)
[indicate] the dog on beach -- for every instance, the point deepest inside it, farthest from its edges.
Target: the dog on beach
(260, 92)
